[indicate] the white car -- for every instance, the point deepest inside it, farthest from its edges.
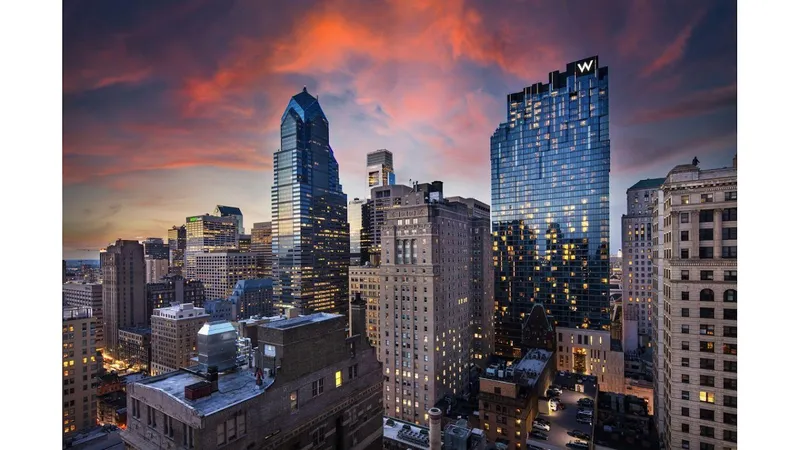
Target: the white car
(557, 390)
(541, 426)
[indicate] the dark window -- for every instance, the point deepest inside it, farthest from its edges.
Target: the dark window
(729, 418)
(684, 217)
(729, 401)
(730, 296)
(684, 312)
(685, 295)
(706, 446)
(706, 363)
(707, 275)
(729, 233)
(729, 314)
(729, 383)
(707, 215)
(684, 378)
(706, 431)
(684, 253)
(685, 412)
(706, 252)
(706, 414)
(730, 196)
(706, 313)
(706, 234)
(706, 295)
(685, 345)
(684, 235)
(685, 395)
(684, 444)
(685, 329)
(729, 435)
(706, 380)
(729, 214)
(729, 251)
(729, 331)
(706, 198)
(684, 274)
(685, 362)
(730, 275)
(685, 427)
(706, 329)
(729, 349)
(707, 346)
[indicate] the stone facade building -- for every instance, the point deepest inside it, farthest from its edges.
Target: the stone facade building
(365, 281)
(174, 336)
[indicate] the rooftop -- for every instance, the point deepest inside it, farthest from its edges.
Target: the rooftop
(523, 371)
(229, 210)
(301, 320)
(233, 388)
(649, 183)
(409, 434)
(254, 283)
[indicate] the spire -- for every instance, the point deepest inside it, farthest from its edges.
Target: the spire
(304, 88)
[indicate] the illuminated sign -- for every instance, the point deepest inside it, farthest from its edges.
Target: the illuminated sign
(193, 219)
(586, 66)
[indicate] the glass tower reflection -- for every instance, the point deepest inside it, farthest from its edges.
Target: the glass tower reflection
(550, 209)
(310, 239)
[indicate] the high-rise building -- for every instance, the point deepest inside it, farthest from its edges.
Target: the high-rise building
(313, 386)
(173, 289)
(380, 168)
(156, 259)
(252, 298)
(365, 283)
(174, 336)
(220, 270)
(382, 199)
(637, 265)
(550, 209)
(425, 301)
(233, 212)
(261, 245)
(695, 384)
(124, 300)
(206, 233)
(176, 239)
(357, 216)
(79, 366)
(309, 213)
(245, 243)
(87, 295)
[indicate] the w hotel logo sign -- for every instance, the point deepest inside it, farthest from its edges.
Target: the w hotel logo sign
(586, 66)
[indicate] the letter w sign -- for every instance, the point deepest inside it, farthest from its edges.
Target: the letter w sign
(585, 66)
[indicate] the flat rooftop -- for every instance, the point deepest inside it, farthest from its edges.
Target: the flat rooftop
(414, 436)
(524, 371)
(233, 388)
(301, 320)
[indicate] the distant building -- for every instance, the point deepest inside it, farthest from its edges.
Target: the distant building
(206, 233)
(156, 259)
(79, 366)
(245, 243)
(231, 211)
(124, 301)
(136, 348)
(357, 218)
(173, 289)
(312, 386)
(261, 245)
(176, 239)
(380, 168)
(252, 298)
(87, 295)
(174, 338)
(220, 270)
(219, 309)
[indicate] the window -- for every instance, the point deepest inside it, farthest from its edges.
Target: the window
(707, 275)
(684, 253)
(729, 251)
(684, 199)
(706, 329)
(707, 234)
(729, 435)
(729, 349)
(706, 346)
(706, 364)
(706, 313)
(684, 312)
(729, 418)
(729, 314)
(729, 383)
(730, 196)
(318, 436)
(685, 427)
(730, 296)
(729, 214)
(706, 431)
(684, 235)
(684, 345)
(685, 329)
(685, 395)
(685, 378)
(317, 387)
(729, 401)
(685, 444)
(729, 275)
(221, 434)
(706, 295)
(706, 215)
(293, 406)
(685, 411)
(685, 295)
(729, 233)
(706, 252)
(352, 372)
(684, 217)
(706, 198)
(706, 414)
(706, 446)
(684, 362)
(684, 275)
(338, 378)
(729, 331)
(707, 380)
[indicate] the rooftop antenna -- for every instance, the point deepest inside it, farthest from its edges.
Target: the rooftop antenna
(304, 88)
(695, 161)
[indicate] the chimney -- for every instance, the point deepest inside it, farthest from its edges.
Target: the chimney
(358, 316)
(435, 423)
(213, 378)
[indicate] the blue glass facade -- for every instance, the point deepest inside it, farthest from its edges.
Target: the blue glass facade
(310, 239)
(550, 204)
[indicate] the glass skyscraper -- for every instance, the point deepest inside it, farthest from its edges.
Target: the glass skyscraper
(310, 239)
(550, 209)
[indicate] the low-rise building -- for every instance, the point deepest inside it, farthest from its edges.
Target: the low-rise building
(592, 352)
(136, 348)
(175, 336)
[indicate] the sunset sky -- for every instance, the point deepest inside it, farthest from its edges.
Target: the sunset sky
(171, 108)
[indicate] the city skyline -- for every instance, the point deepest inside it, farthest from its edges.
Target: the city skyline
(146, 114)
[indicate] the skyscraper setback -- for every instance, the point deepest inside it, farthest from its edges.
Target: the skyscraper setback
(550, 166)
(309, 213)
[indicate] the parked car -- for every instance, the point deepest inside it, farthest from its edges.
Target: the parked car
(557, 389)
(586, 401)
(540, 420)
(538, 435)
(541, 426)
(584, 419)
(585, 413)
(535, 447)
(578, 444)
(580, 435)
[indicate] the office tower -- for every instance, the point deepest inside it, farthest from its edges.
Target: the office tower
(481, 298)
(174, 289)
(155, 248)
(220, 270)
(176, 239)
(382, 199)
(696, 257)
(550, 212)
(232, 212)
(135, 348)
(252, 298)
(637, 265)
(79, 366)
(245, 243)
(87, 295)
(356, 217)
(365, 284)
(425, 301)
(174, 336)
(380, 168)
(124, 301)
(204, 234)
(312, 386)
(156, 259)
(309, 213)
(261, 245)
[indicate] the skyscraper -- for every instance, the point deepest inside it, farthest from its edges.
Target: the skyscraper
(233, 212)
(176, 239)
(87, 295)
(156, 259)
(357, 215)
(550, 209)
(220, 270)
(124, 301)
(380, 168)
(637, 264)
(204, 234)
(261, 245)
(79, 369)
(309, 214)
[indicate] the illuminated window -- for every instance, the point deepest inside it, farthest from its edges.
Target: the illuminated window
(706, 397)
(338, 378)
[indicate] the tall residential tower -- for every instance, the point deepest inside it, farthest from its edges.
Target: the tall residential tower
(124, 301)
